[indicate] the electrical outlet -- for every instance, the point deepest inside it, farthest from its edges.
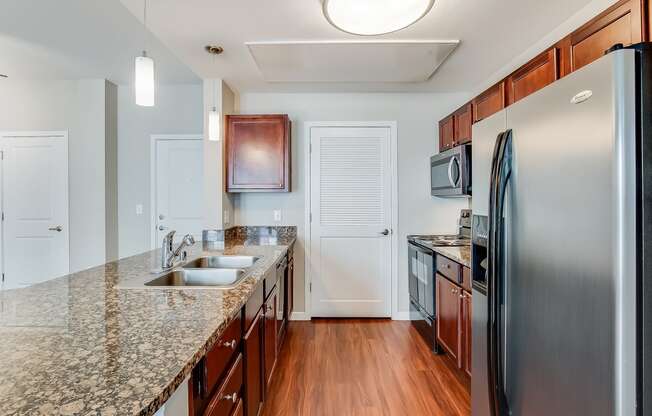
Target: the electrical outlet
(277, 215)
(139, 209)
(226, 217)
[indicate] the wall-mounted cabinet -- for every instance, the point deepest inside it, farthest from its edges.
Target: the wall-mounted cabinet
(446, 133)
(489, 102)
(531, 77)
(621, 23)
(258, 153)
(626, 22)
(455, 129)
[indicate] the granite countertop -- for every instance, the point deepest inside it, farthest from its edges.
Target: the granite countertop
(82, 344)
(460, 254)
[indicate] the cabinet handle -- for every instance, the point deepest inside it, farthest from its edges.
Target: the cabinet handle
(233, 397)
(230, 344)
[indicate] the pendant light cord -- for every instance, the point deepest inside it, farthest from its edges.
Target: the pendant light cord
(214, 87)
(145, 23)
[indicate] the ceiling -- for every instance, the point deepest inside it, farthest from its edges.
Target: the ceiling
(492, 33)
(75, 39)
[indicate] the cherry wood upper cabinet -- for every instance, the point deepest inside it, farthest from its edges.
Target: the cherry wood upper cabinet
(257, 153)
(531, 77)
(489, 102)
(446, 133)
(621, 23)
(463, 121)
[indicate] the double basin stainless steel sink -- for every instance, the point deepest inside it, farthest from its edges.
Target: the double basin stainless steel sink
(214, 271)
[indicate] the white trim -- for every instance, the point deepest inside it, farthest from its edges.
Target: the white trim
(393, 127)
(153, 243)
(299, 316)
(401, 316)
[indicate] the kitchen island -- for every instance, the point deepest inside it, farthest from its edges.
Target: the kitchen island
(83, 344)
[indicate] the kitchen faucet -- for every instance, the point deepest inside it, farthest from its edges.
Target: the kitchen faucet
(169, 254)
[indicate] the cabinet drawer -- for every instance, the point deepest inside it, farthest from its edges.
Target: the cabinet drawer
(220, 355)
(227, 395)
(252, 307)
(448, 268)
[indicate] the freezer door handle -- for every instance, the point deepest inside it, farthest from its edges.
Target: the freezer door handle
(500, 174)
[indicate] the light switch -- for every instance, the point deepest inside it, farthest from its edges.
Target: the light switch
(277, 215)
(139, 209)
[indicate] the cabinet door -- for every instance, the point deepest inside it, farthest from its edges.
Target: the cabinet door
(463, 121)
(446, 133)
(489, 102)
(270, 335)
(257, 153)
(448, 316)
(531, 77)
(621, 23)
(466, 331)
(253, 367)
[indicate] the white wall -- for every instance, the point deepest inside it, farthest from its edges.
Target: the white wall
(218, 205)
(417, 116)
(178, 110)
(79, 107)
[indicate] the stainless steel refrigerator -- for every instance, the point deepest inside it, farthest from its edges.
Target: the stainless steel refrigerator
(562, 181)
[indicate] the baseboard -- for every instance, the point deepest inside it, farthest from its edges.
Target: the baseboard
(299, 316)
(401, 316)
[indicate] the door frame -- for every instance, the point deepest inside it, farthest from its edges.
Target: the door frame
(153, 140)
(17, 134)
(393, 148)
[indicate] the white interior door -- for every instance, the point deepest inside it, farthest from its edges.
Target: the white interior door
(35, 206)
(351, 216)
(178, 183)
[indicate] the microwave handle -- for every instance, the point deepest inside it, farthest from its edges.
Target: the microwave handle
(450, 171)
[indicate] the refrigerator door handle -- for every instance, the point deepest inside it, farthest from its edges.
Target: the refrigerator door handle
(500, 175)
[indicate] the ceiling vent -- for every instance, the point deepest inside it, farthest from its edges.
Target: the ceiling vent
(350, 61)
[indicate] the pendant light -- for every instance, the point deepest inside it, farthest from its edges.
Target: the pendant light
(144, 80)
(374, 17)
(214, 116)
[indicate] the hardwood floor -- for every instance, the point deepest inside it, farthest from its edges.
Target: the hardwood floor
(363, 367)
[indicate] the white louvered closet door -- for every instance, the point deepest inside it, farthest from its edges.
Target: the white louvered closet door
(351, 208)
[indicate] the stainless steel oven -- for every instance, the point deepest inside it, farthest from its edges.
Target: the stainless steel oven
(450, 172)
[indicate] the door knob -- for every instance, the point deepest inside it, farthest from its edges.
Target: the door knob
(58, 228)
(385, 232)
(161, 216)
(162, 227)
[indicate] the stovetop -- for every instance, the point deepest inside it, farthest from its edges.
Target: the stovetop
(441, 240)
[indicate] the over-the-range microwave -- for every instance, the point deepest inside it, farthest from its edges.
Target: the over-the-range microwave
(450, 172)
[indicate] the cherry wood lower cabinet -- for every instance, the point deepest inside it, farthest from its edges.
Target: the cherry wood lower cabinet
(448, 316)
(271, 335)
(253, 369)
(454, 321)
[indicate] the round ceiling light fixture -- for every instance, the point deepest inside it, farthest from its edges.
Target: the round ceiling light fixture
(374, 17)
